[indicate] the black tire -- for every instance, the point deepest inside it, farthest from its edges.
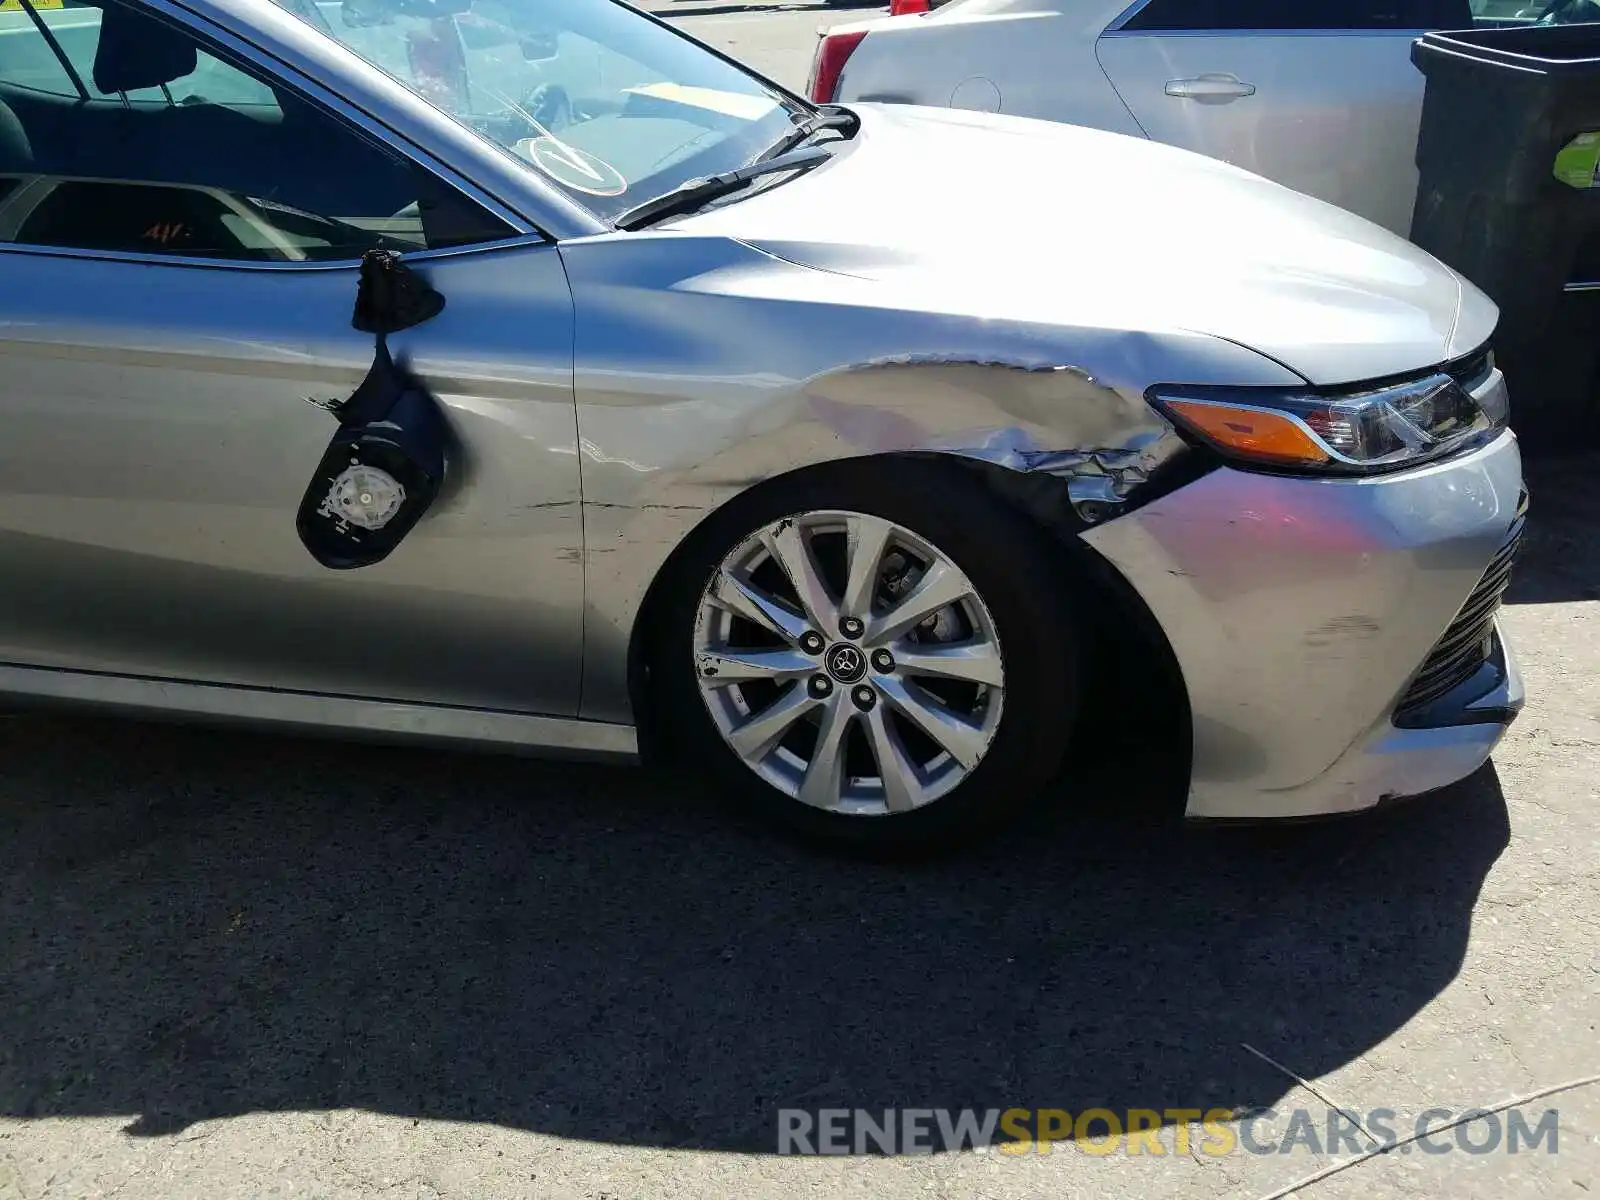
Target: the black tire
(1017, 570)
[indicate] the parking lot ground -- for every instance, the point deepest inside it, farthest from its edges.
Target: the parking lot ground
(776, 37)
(239, 966)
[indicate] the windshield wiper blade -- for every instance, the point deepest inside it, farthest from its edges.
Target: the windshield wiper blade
(692, 194)
(829, 116)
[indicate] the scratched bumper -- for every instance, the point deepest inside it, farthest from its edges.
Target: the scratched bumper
(1299, 611)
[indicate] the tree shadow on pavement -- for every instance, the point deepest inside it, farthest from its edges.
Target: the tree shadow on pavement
(198, 924)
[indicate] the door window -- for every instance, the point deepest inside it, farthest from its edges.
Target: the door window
(1273, 15)
(121, 133)
(1536, 12)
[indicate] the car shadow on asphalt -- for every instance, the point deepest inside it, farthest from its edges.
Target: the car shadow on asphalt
(196, 924)
(1560, 561)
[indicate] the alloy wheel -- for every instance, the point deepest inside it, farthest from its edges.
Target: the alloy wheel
(849, 663)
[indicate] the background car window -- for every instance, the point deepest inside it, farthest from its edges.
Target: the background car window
(1237, 15)
(75, 26)
(129, 136)
(1536, 12)
(601, 101)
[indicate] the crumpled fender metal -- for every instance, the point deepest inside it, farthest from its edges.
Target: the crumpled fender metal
(761, 367)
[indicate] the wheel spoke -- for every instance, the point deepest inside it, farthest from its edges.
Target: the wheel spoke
(754, 739)
(963, 741)
(789, 546)
(972, 662)
(750, 602)
(902, 789)
(941, 587)
(868, 538)
(720, 668)
(824, 781)
(924, 733)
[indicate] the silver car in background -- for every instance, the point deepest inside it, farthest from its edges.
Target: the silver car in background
(865, 506)
(1319, 95)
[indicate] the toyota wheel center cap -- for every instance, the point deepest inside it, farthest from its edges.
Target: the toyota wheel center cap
(846, 663)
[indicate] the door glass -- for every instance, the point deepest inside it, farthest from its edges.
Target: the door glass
(1536, 12)
(76, 27)
(609, 105)
(1265, 15)
(131, 137)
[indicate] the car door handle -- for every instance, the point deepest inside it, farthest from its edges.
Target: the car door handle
(1215, 88)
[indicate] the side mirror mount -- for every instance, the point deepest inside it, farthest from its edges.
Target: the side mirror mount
(384, 467)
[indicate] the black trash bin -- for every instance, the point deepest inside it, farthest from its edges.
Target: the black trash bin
(1510, 196)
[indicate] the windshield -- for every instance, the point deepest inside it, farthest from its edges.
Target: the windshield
(605, 103)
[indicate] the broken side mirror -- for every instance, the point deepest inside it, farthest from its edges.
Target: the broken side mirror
(385, 465)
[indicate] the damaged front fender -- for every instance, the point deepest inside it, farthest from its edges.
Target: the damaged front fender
(757, 368)
(1106, 446)
(1037, 420)
(1102, 481)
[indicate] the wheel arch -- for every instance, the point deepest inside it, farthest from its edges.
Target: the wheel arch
(1128, 641)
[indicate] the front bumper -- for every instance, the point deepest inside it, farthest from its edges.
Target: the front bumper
(1300, 612)
(1388, 762)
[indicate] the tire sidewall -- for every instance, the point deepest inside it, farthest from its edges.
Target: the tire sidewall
(1017, 571)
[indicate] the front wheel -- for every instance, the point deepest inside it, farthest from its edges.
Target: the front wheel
(876, 653)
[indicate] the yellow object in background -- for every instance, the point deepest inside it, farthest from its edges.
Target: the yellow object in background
(729, 104)
(1578, 164)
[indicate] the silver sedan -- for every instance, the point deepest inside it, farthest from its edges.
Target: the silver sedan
(525, 374)
(1320, 95)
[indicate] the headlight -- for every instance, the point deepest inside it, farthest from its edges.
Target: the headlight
(1377, 429)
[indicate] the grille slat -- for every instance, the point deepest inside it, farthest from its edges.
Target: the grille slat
(1462, 641)
(1463, 649)
(1446, 674)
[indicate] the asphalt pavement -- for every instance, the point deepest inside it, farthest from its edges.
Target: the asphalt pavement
(240, 966)
(235, 965)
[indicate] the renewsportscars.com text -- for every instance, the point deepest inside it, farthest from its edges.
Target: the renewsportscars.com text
(1215, 1132)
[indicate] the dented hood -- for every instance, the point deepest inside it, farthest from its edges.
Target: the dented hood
(1001, 217)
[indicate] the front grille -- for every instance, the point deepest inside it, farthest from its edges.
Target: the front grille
(1465, 645)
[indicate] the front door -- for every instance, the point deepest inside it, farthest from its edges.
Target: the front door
(1319, 95)
(179, 244)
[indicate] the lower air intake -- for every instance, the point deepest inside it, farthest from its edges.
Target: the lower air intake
(1467, 644)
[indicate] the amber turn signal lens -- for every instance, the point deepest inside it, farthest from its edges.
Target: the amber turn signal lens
(1267, 437)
